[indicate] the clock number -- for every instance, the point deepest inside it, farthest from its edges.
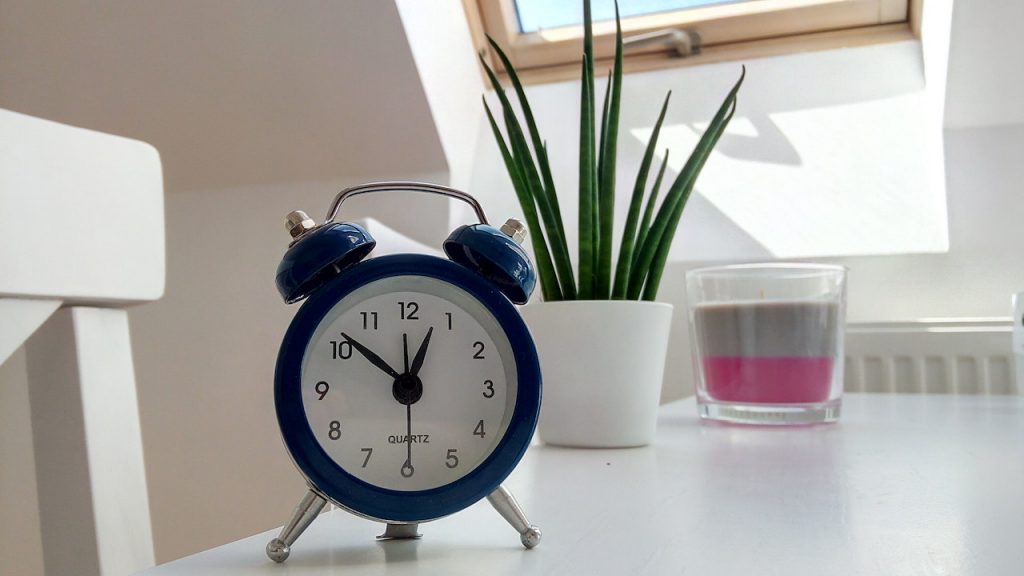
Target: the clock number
(452, 460)
(367, 316)
(341, 349)
(479, 430)
(488, 389)
(449, 315)
(409, 310)
(479, 354)
(322, 388)
(369, 452)
(335, 432)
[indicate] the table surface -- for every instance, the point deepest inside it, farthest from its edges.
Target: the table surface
(901, 485)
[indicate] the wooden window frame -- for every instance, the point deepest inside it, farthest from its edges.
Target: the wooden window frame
(728, 32)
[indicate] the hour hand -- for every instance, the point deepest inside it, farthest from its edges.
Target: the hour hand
(369, 355)
(417, 362)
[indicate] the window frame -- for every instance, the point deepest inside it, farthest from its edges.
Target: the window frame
(728, 32)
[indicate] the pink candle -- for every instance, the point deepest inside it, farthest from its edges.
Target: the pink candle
(777, 352)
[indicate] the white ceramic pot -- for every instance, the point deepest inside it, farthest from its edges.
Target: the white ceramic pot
(602, 364)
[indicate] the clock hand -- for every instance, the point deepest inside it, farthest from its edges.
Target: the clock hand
(369, 355)
(407, 468)
(405, 350)
(417, 362)
(407, 388)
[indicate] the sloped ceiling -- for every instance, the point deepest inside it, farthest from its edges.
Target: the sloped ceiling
(232, 93)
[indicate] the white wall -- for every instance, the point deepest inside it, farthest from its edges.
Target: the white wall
(442, 48)
(986, 84)
(984, 141)
(233, 93)
(22, 552)
(984, 264)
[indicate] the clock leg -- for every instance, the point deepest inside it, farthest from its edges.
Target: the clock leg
(505, 503)
(309, 507)
(401, 532)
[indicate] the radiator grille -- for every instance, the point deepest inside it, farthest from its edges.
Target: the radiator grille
(939, 357)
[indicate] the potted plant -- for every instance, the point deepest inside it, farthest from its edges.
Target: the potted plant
(601, 335)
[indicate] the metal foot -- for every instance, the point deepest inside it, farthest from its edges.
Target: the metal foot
(505, 503)
(309, 507)
(401, 532)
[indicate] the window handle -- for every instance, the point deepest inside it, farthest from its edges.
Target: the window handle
(683, 42)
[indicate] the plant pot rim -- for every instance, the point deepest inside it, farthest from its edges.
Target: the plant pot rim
(610, 303)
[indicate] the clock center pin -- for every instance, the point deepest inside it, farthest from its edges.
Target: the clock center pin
(407, 389)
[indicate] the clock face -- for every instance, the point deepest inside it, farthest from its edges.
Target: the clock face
(408, 383)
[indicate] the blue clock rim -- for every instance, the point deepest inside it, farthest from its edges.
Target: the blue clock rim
(326, 476)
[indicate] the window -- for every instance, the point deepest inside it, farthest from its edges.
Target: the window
(542, 37)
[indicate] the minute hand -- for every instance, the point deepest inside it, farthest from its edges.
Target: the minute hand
(417, 362)
(369, 355)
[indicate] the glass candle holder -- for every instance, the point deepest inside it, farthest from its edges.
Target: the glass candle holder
(767, 342)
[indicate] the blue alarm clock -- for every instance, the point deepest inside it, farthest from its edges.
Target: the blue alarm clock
(407, 386)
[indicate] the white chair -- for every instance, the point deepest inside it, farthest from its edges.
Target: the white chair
(81, 238)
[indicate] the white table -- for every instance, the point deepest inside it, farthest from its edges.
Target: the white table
(902, 485)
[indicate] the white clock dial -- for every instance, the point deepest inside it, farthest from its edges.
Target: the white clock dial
(386, 426)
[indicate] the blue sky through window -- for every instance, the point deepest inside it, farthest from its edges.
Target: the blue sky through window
(542, 14)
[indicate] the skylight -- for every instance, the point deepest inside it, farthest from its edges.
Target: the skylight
(537, 15)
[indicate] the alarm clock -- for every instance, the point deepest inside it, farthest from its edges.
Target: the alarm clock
(407, 386)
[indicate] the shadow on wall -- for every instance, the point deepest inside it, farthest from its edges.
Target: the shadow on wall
(841, 146)
(764, 142)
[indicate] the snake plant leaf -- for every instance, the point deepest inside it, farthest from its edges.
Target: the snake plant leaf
(645, 223)
(635, 204)
(588, 164)
(606, 186)
(588, 234)
(530, 177)
(548, 199)
(645, 245)
(657, 267)
(548, 279)
(604, 129)
(647, 274)
(528, 172)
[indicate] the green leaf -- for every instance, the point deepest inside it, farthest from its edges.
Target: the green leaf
(647, 275)
(587, 204)
(604, 131)
(645, 224)
(530, 178)
(546, 271)
(521, 154)
(548, 198)
(590, 110)
(635, 204)
(608, 164)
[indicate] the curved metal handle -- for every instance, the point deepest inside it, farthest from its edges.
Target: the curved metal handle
(407, 187)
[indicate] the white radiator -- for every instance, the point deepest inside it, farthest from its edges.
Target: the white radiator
(931, 357)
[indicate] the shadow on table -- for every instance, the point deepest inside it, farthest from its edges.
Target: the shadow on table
(397, 552)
